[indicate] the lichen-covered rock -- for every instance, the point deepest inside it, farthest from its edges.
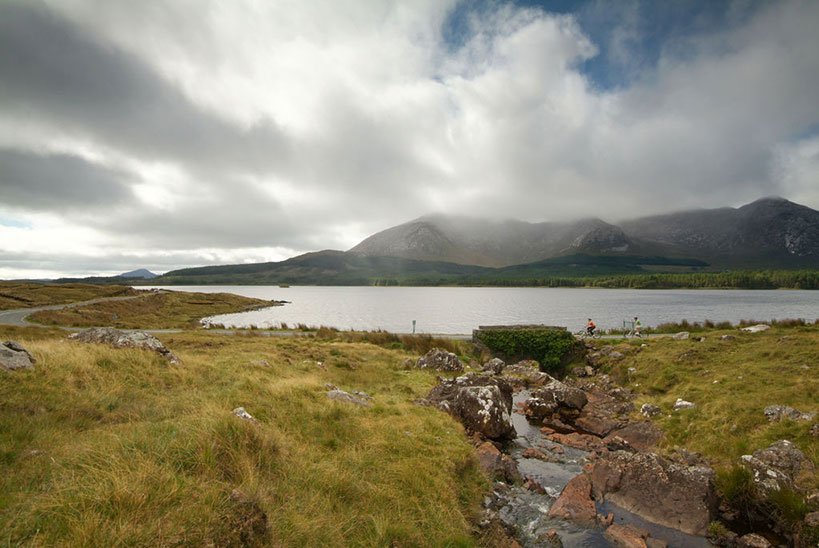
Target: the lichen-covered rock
(555, 398)
(124, 339)
(777, 466)
(14, 357)
(683, 404)
(494, 366)
(661, 491)
(357, 398)
(482, 403)
(776, 413)
(439, 360)
(752, 540)
(649, 410)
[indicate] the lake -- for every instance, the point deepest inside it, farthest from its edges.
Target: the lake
(459, 310)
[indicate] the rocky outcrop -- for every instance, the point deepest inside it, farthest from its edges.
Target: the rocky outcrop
(667, 493)
(497, 465)
(14, 357)
(778, 466)
(124, 339)
(494, 366)
(356, 398)
(776, 413)
(557, 398)
(439, 360)
(482, 403)
(575, 502)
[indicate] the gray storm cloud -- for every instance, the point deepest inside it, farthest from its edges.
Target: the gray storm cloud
(309, 127)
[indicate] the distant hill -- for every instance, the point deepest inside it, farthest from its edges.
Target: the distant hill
(140, 273)
(768, 233)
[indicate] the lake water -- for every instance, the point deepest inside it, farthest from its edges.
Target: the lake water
(459, 310)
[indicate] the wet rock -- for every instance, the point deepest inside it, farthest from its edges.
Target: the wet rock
(575, 502)
(439, 360)
(667, 493)
(682, 404)
(357, 398)
(752, 540)
(649, 410)
(124, 339)
(14, 357)
(681, 336)
(758, 328)
(776, 413)
(494, 366)
(498, 466)
(777, 466)
(482, 403)
(627, 536)
(584, 442)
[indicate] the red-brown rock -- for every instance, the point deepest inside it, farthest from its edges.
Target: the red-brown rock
(575, 502)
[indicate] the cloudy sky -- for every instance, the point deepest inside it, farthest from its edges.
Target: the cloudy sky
(166, 134)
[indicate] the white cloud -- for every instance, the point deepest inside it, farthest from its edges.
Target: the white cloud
(292, 126)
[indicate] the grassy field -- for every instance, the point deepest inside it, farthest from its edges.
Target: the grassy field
(163, 310)
(731, 382)
(104, 447)
(26, 295)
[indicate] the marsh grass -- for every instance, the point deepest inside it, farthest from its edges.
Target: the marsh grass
(26, 295)
(731, 381)
(162, 310)
(102, 447)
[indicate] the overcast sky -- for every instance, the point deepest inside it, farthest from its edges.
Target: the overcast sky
(166, 134)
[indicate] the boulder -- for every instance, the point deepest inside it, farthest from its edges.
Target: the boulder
(357, 398)
(575, 502)
(124, 339)
(526, 373)
(494, 366)
(776, 413)
(777, 466)
(681, 336)
(498, 466)
(649, 410)
(627, 536)
(642, 436)
(682, 404)
(752, 540)
(758, 328)
(482, 403)
(14, 357)
(555, 397)
(664, 492)
(244, 415)
(439, 360)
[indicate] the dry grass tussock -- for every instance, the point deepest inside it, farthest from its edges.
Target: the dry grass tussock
(163, 310)
(731, 380)
(26, 295)
(105, 447)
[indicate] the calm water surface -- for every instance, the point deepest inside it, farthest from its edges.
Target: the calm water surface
(458, 310)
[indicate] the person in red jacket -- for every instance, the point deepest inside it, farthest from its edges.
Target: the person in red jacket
(590, 327)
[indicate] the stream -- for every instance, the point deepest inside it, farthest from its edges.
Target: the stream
(527, 511)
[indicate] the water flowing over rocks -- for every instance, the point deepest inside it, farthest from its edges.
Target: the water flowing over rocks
(14, 357)
(439, 360)
(124, 339)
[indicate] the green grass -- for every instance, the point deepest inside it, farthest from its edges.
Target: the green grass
(105, 447)
(731, 382)
(164, 310)
(26, 295)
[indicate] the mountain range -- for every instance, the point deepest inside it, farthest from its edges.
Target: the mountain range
(767, 233)
(770, 233)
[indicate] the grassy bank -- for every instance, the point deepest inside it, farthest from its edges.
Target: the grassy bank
(102, 447)
(27, 295)
(163, 310)
(731, 381)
